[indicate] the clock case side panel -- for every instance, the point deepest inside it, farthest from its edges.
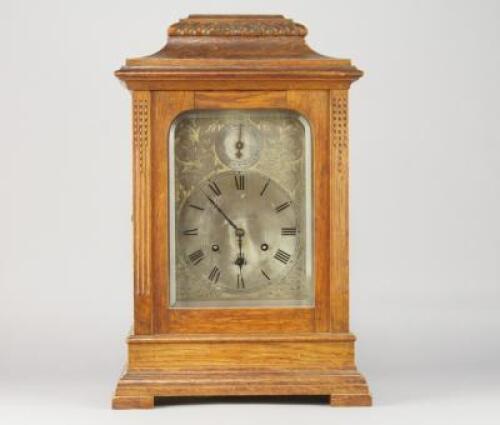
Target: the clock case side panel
(141, 171)
(339, 219)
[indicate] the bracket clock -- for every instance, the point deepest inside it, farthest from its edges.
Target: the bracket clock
(240, 218)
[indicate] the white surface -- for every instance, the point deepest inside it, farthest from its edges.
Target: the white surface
(425, 237)
(407, 399)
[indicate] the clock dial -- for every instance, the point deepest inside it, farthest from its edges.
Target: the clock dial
(241, 239)
(241, 227)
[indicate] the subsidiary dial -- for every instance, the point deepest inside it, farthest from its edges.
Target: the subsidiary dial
(240, 146)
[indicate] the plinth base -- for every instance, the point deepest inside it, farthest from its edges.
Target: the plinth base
(138, 390)
(241, 365)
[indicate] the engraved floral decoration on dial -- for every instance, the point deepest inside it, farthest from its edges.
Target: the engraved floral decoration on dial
(240, 209)
(238, 232)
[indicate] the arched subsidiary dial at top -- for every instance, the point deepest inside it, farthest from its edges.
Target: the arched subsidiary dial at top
(238, 231)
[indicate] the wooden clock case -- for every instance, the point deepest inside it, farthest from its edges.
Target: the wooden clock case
(239, 62)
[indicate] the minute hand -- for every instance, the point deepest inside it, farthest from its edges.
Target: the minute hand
(222, 212)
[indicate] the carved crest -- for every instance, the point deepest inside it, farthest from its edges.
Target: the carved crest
(250, 26)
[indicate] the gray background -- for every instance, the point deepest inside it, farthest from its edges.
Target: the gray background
(425, 205)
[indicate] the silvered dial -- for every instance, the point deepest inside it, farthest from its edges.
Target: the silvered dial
(238, 231)
(240, 209)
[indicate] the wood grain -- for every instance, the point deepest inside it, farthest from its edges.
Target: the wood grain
(241, 337)
(207, 51)
(314, 105)
(233, 81)
(264, 355)
(240, 99)
(350, 400)
(345, 387)
(141, 113)
(339, 236)
(246, 320)
(167, 106)
(120, 402)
